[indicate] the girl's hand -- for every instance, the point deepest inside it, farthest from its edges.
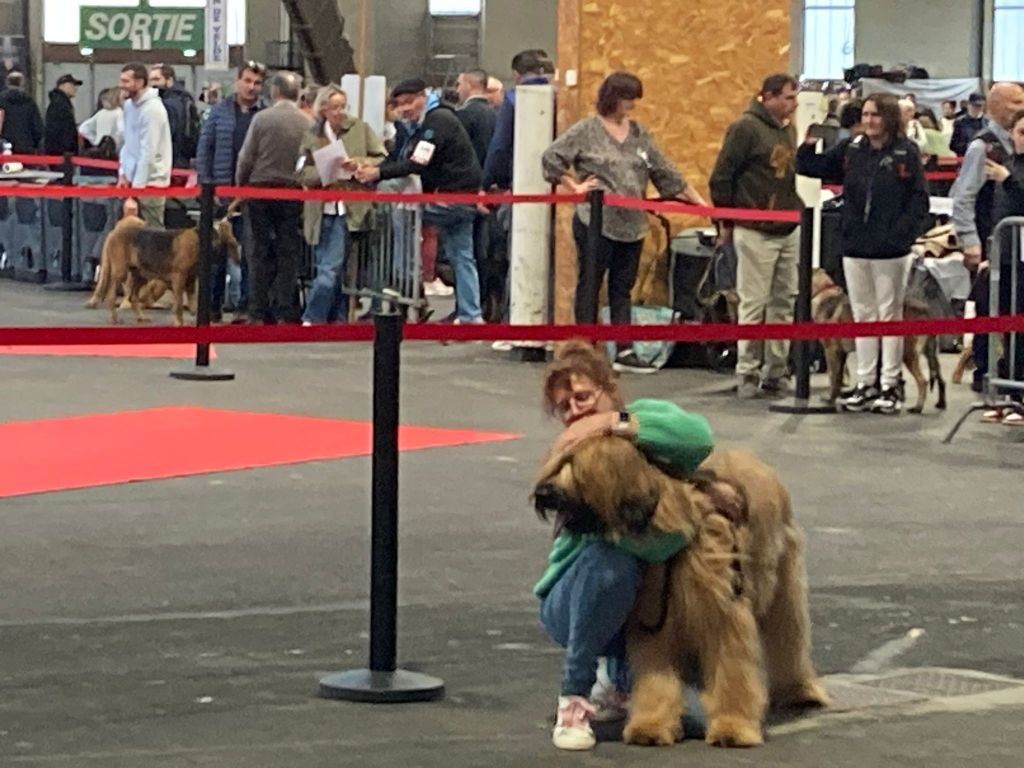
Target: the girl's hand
(996, 172)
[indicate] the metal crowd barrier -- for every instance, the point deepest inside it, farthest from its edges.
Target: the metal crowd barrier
(1008, 377)
(1004, 381)
(388, 259)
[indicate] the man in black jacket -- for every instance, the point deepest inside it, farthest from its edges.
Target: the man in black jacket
(61, 126)
(966, 127)
(479, 119)
(23, 123)
(441, 154)
(476, 113)
(181, 114)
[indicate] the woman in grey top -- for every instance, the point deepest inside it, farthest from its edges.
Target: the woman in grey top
(611, 152)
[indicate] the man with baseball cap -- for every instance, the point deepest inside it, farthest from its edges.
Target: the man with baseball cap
(61, 134)
(440, 153)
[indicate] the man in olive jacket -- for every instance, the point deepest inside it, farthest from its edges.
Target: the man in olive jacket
(756, 169)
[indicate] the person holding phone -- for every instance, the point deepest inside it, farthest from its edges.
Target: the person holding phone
(1008, 176)
(974, 200)
(885, 209)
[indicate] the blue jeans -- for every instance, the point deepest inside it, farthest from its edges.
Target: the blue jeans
(325, 293)
(455, 235)
(585, 612)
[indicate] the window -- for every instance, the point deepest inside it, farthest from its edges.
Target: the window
(1008, 42)
(455, 7)
(61, 18)
(828, 38)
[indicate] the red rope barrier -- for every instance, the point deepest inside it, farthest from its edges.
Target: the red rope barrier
(92, 192)
(669, 206)
(439, 198)
(288, 334)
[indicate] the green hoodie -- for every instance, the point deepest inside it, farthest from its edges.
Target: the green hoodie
(757, 168)
(669, 435)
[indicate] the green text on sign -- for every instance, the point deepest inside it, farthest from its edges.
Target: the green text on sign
(142, 28)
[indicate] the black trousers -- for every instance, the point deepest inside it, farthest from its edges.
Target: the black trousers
(620, 260)
(274, 264)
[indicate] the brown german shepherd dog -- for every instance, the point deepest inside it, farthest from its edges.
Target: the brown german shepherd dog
(830, 304)
(145, 260)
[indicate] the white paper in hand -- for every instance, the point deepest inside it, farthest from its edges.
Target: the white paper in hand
(328, 162)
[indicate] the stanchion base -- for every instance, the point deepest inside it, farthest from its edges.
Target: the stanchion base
(68, 287)
(368, 687)
(202, 373)
(805, 407)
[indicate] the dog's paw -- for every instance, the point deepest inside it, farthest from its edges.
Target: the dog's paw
(809, 695)
(652, 734)
(733, 732)
(143, 319)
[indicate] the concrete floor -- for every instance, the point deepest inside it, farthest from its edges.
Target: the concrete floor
(185, 622)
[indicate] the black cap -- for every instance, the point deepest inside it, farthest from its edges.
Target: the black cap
(977, 98)
(68, 79)
(412, 85)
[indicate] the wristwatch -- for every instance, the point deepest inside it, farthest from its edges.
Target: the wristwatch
(623, 426)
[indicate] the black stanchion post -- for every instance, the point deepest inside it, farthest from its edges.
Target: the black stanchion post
(802, 348)
(383, 682)
(67, 232)
(589, 283)
(202, 371)
(67, 221)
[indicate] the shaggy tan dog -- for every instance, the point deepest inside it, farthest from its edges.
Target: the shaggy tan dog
(735, 597)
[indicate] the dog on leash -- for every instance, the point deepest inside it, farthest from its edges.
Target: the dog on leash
(735, 597)
(146, 260)
(830, 304)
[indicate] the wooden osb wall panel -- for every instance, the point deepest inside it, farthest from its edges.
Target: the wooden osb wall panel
(700, 61)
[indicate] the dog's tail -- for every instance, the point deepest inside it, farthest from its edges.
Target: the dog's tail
(103, 276)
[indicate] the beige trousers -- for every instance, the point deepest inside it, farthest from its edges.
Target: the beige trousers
(766, 281)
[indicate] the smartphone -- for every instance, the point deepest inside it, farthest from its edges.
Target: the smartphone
(996, 152)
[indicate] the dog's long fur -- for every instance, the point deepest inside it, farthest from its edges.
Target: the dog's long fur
(145, 260)
(830, 304)
(736, 595)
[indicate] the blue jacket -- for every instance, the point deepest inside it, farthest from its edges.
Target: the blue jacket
(498, 165)
(215, 156)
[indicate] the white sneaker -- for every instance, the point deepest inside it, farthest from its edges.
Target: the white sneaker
(610, 704)
(306, 324)
(436, 287)
(572, 730)
(502, 346)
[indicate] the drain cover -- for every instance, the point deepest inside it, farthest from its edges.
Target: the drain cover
(940, 683)
(848, 696)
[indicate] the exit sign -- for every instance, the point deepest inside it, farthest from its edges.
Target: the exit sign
(142, 28)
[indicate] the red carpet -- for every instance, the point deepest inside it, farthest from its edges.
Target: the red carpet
(173, 351)
(107, 449)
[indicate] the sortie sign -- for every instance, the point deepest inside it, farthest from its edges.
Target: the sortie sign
(142, 28)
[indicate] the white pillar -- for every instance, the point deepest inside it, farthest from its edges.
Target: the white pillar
(812, 108)
(529, 251)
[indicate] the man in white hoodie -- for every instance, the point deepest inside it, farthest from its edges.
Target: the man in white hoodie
(147, 150)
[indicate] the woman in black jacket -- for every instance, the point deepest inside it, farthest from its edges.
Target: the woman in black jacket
(1009, 201)
(885, 209)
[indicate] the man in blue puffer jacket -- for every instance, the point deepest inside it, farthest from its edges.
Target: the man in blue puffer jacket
(220, 141)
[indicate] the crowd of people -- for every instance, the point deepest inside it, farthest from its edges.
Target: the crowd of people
(461, 141)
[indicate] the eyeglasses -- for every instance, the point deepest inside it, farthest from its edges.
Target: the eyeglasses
(583, 399)
(254, 66)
